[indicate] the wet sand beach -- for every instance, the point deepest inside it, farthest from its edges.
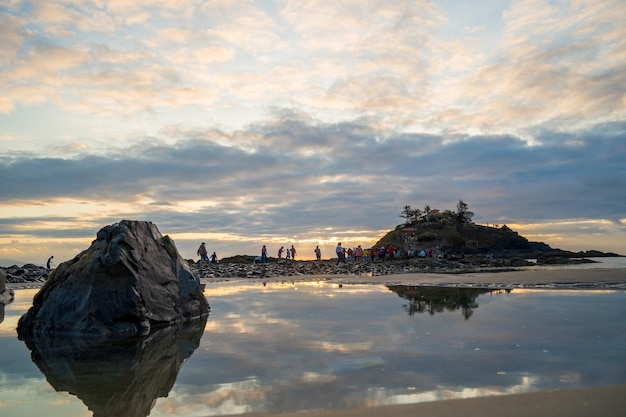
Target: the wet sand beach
(596, 401)
(539, 278)
(583, 402)
(528, 278)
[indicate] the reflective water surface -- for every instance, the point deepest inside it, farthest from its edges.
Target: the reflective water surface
(302, 346)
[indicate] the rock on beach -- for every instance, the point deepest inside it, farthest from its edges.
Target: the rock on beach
(130, 279)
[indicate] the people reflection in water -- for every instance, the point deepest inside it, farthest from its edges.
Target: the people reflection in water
(433, 300)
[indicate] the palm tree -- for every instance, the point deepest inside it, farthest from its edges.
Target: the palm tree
(427, 213)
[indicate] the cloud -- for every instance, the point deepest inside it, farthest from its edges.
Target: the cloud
(294, 170)
(553, 66)
(164, 8)
(213, 54)
(12, 38)
(58, 18)
(275, 117)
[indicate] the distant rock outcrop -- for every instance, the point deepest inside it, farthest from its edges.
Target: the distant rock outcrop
(501, 242)
(28, 273)
(130, 279)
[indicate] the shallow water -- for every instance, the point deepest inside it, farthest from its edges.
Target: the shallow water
(309, 345)
(599, 263)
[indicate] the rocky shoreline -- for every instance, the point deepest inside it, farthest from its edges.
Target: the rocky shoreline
(28, 273)
(284, 268)
(31, 274)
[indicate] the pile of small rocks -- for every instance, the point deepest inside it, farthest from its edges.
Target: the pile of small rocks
(33, 274)
(28, 273)
(284, 268)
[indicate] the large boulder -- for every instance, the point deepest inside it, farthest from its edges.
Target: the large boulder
(129, 280)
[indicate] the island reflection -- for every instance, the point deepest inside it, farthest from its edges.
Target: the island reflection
(121, 378)
(431, 300)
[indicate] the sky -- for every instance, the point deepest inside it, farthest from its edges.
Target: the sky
(243, 123)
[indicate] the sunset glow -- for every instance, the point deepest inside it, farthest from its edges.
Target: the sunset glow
(245, 123)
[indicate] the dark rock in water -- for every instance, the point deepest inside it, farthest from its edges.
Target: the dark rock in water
(3, 282)
(6, 296)
(121, 378)
(130, 279)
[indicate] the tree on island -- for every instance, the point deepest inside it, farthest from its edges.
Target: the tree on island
(453, 231)
(462, 216)
(427, 213)
(407, 214)
(458, 218)
(411, 215)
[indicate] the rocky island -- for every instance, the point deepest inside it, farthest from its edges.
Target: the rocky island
(468, 249)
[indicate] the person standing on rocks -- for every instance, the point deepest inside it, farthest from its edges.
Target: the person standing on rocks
(341, 255)
(214, 258)
(49, 263)
(280, 252)
(391, 251)
(318, 253)
(358, 254)
(381, 253)
(202, 252)
(263, 255)
(293, 253)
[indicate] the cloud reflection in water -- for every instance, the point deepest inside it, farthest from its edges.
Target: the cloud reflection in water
(300, 346)
(293, 347)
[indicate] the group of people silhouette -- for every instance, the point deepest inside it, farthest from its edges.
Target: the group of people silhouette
(203, 253)
(357, 254)
(290, 253)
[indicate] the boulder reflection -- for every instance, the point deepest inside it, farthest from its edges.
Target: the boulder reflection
(117, 377)
(431, 300)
